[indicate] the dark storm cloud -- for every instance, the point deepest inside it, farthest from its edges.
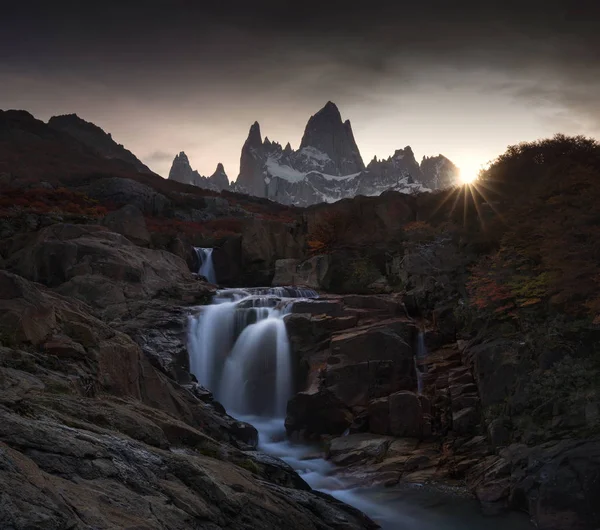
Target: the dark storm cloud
(198, 56)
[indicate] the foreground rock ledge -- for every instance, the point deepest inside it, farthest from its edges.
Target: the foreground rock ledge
(93, 435)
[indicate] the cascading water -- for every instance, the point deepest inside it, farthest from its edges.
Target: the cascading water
(206, 268)
(420, 356)
(239, 350)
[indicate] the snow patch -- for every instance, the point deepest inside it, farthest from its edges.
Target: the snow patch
(283, 171)
(315, 154)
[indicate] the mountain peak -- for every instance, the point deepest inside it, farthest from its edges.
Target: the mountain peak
(254, 137)
(181, 170)
(330, 109)
(326, 132)
(219, 178)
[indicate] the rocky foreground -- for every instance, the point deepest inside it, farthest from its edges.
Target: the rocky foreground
(95, 429)
(358, 357)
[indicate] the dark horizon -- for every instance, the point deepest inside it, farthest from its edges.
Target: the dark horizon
(464, 81)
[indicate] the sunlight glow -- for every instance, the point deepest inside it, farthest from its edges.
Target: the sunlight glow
(469, 171)
(467, 177)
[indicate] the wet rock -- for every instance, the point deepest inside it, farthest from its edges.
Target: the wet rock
(317, 413)
(358, 448)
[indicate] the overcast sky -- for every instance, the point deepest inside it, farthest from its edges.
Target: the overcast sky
(464, 79)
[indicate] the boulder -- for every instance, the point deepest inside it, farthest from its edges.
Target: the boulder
(129, 221)
(103, 268)
(360, 448)
(317, 413)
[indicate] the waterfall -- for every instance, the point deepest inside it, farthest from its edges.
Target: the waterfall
(239, 349)
(206, 267)
(420, 356)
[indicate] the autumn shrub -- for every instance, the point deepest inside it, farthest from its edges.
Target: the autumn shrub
(328, 231)
(43, 200)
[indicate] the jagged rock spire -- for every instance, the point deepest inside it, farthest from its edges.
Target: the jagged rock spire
(181, 170)
(251, 163)
(219, 178)
(254, 137)
(326, 132)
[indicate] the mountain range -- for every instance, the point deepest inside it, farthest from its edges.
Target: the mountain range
(327, 167)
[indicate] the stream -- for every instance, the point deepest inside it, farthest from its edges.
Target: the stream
(240, 351)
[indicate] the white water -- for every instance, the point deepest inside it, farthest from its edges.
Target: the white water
(206, 269)
(420, 356)
(239, 350)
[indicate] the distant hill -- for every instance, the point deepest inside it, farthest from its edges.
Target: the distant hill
(94, 137)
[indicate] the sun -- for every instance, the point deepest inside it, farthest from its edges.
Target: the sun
(469, 171)
(467, 177)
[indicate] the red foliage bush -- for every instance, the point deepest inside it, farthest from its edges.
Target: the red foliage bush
(42, 200)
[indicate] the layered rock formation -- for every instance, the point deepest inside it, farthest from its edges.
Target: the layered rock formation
(181, 171)
(94, 137)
